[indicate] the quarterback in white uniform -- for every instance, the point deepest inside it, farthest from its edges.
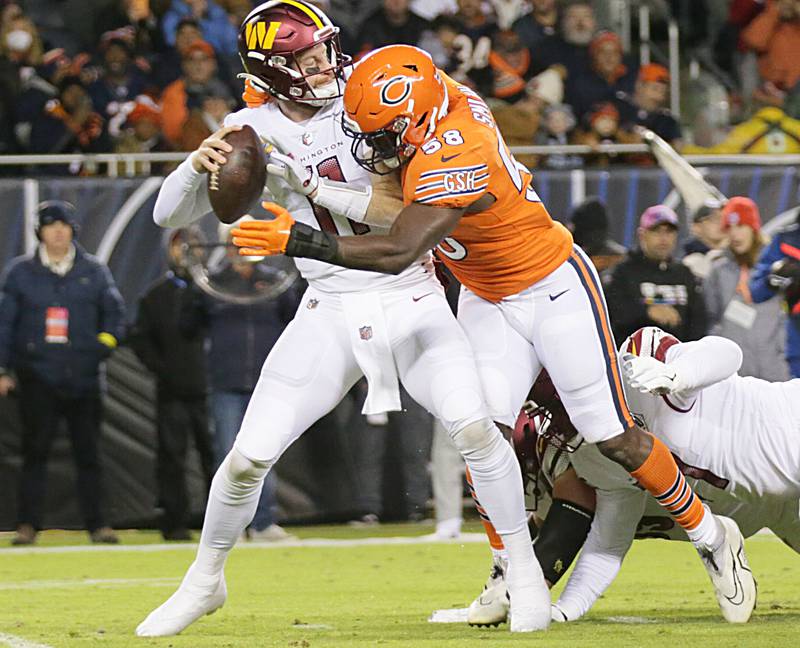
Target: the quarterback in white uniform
(350, 322)
(741, 434)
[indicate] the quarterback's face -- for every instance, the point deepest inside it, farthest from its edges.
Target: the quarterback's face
(315, 64)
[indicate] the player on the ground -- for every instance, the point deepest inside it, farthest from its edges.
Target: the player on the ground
(530, 299)
(565, 479)
(349, 323)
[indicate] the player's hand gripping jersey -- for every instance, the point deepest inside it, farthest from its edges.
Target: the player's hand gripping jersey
(512, 242)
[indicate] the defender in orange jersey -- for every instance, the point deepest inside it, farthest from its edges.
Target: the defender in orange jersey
(530, 298)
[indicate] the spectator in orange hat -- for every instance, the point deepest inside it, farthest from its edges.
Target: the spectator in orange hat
(602, 126)
(199, 70)
(648, 105)
(759, 329)
(609, 75)
(142, 134)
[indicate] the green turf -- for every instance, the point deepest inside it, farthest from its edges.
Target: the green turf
(377, 596)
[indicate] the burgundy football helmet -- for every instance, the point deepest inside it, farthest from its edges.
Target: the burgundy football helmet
(273, 35)
(543, 419)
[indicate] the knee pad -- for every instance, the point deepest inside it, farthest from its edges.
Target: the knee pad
(242, 470)
(476, 437)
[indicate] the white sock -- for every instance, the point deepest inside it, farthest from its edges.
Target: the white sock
(232, 502)
(522, 562)
(709, 534)
(496, 476)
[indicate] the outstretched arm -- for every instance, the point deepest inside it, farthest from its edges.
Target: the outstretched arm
(688, 367)
(417, 229)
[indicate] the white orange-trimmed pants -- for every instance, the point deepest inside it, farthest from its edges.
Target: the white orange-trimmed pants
(561, 324)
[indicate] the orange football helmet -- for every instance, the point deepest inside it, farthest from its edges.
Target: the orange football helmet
(392, 103)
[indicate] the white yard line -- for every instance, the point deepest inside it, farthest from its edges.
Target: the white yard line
(88, 582)
(465, 538)
(18, 642)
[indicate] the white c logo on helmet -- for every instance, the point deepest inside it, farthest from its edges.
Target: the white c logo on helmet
(396, 90)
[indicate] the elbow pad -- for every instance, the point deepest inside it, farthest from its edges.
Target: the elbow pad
(561, 538)
(350, 201)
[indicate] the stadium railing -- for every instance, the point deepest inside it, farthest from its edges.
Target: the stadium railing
(137, 164)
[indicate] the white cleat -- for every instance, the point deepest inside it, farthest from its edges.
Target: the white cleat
(197, 596)
(530, 602)
(491, 607)
(734, 585)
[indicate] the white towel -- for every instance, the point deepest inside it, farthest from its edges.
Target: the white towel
(369, 337)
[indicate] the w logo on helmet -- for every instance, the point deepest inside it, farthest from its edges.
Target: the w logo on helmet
(396, 90)
(259, 36)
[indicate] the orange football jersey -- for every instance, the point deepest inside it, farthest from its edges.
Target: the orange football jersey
(509, 246)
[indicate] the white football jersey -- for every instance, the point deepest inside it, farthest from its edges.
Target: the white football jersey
(741, 434)
(321, 142)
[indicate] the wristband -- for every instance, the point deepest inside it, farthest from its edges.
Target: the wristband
(305, 241)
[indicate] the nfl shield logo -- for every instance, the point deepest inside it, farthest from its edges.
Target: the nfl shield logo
(308, 138)
(365, 332)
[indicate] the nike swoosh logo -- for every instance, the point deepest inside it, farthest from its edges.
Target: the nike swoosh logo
(416, 299)
(738, 591)
(554, 297)
(449, 157)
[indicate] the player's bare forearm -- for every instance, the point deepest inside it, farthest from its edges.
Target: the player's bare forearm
(417, 229)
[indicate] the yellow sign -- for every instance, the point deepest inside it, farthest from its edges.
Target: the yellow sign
(259, 35)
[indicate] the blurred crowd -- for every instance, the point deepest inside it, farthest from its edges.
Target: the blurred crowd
(139, 76)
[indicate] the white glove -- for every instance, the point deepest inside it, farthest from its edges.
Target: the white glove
(302, 179)
(649, 375)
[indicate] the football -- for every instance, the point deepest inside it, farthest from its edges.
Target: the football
(237, 186)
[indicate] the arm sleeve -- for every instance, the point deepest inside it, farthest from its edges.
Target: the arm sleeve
(614, 527)
(760, 289)
(9, 309)
(183, 197)
(112, 318)
(705, 362)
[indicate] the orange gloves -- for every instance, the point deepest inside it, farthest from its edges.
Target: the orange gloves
(264, 238)
(252, 96)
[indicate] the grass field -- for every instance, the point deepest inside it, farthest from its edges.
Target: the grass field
(369, 595)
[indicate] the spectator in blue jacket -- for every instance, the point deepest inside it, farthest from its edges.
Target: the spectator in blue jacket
(239, 337)
(60, 317)
(778, 271)
(217, 28)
